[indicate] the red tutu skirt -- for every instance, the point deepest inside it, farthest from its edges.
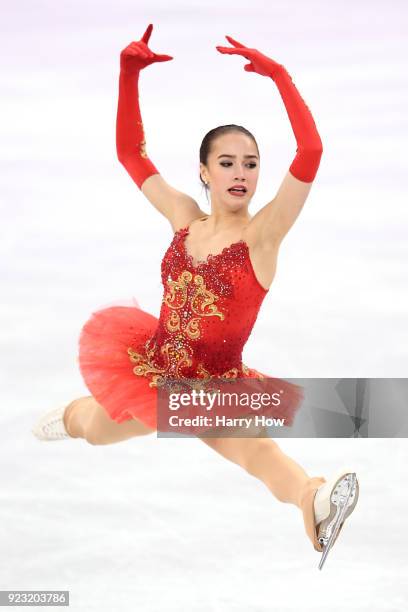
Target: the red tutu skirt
(107, 370)
(105, 364)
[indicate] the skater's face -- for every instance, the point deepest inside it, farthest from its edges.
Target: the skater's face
(233, 160)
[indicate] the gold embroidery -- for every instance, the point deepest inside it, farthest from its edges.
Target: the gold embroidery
(176, 359)
(205, 374)
(208, 300)
(145, 367)
(202, 303)
(230, 374)
(177, 351)
(143, 152)
(173, 322)
(142, 144)
(181, 286)
(247, 371)
(192, 329)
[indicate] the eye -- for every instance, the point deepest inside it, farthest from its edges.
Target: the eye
(226, 164)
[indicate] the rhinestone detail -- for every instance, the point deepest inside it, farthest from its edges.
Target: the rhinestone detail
(208, 310)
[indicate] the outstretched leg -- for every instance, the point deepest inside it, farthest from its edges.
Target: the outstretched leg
(287, 480)
(86, 418)
(264, 459)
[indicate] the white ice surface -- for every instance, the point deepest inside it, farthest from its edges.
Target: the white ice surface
(162, 525)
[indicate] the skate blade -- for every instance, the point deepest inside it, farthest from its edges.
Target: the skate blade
(342, 505)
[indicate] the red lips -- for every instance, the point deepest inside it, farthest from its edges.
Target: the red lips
(238, 186)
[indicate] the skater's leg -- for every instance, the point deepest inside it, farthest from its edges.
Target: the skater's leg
(264, 459)
(85, 418)
(286, 479)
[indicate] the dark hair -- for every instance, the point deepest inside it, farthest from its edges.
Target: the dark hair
(209, 138)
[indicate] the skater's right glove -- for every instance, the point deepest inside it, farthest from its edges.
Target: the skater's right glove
(130, 140)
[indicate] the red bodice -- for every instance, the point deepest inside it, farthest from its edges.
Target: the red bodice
(208, 311)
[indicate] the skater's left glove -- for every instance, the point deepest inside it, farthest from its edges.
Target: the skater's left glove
(309, 150)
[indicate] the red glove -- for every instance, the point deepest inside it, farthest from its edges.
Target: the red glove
(130, 139)
(309, 150)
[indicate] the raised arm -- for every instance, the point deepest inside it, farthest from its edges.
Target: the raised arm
(178, 207)
(272, 222)
(130, 139)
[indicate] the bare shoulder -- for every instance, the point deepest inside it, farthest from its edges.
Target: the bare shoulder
(272, 222)
(179, 208)
(263, 253)
(254, 235)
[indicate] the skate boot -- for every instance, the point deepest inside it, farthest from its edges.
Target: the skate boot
(326, 505)
(50, 427)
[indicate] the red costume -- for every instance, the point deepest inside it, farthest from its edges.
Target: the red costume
(209, 309)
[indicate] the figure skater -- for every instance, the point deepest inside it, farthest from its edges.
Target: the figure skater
(215, 273)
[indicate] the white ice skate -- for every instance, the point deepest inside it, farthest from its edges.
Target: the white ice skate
(50, 426)
(334, 501)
